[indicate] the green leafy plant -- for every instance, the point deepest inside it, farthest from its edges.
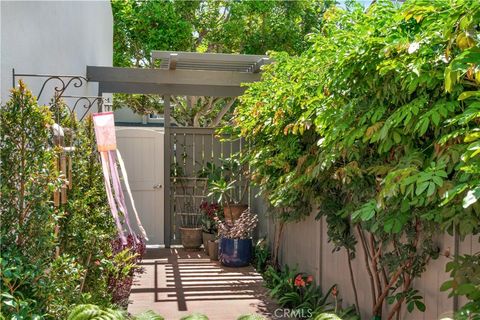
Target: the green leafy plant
(377, 125)
(195, 316)
(205, 27)
(306, 297)
(251, 317)
(279, 281)
(296, 291)
(52, 256)
(87, 231)
(90, 311)
(343, 314)
(28, 219)
(222, 189)
(465, 273)
(224, 181)
(261, 256)
(148, 315)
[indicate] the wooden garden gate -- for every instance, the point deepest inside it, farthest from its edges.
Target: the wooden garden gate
(191, 149)
(184, 74)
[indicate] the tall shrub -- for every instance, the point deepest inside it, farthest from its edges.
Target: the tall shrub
(87, 229)
(30, 277)
(53, 257)
(373, 123)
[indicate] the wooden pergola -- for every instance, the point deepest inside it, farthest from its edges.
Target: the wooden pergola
(185, 74)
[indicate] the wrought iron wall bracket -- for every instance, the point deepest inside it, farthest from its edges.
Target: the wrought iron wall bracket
(87, 102)
(62, 83)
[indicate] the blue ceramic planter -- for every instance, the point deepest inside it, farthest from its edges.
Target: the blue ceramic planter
(235, 252)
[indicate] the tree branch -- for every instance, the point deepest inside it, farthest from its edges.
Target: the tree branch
(352, 279)
(367, 265)
(222, 112)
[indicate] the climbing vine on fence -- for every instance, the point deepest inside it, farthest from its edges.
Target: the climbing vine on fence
(379, 122)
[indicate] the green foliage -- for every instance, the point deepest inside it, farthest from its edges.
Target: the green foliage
(378, 122)
(140, 27)
(249, 27)
(309, 299)
(149, 315)
(251, 317)
(465, 281)
(65, 275)
(261, 256)
(343, 314)
(52, 257)
(223, 181)
(90, 311)
(195, 316)
(27, 214)
(296, 292)
(87, 230)
(279, 281)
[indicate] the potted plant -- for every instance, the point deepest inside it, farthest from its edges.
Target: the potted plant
(227, 189)
(191, 231)
(213, 249)
(235, 240)
(209, 211)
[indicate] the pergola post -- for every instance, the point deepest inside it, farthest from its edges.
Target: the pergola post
(166, 203)
(100, 94)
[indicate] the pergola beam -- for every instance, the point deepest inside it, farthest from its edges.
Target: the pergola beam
(179, 90)
(208, 57)
(258, 65)
(170, 77)
(172, 61)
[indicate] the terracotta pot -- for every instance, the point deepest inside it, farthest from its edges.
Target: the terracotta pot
(207, 237)
(213, 249)
(191, 237)
(233, 211)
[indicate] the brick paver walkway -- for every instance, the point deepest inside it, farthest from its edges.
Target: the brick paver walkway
(176, 283)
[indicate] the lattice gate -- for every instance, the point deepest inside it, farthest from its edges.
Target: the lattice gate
(191, 149)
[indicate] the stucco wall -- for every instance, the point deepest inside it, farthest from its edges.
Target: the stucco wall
(54, 37)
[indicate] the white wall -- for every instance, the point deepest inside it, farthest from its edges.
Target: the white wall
(127, 115)
(54, 37)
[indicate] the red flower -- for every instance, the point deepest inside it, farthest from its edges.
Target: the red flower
(299, 282)
(334, 292)
(310, 279)
(97, 262)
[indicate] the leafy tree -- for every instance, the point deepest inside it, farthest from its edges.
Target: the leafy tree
(251, 27)
(378, 121)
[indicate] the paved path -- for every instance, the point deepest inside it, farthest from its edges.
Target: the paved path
(176, 283)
